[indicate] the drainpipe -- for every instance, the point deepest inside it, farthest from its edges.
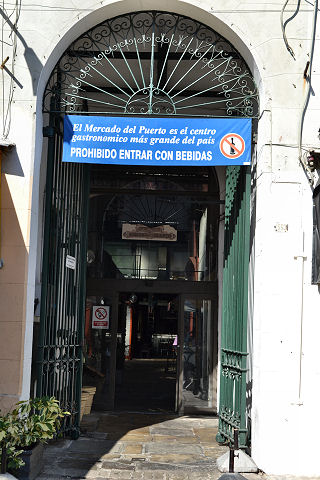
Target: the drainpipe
(300, 258)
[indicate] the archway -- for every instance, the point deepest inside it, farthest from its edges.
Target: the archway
(143, 63)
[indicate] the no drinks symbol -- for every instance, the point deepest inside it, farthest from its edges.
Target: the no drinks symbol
(232, 145)
(100, 316)
(100, 313)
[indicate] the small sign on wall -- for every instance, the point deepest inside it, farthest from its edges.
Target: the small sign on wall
(101, 317)
(70, 262)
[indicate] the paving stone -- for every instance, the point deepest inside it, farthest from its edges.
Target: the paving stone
(134, 458)
(180, 439)
(214, 452)
(117, 466)
(173, 458)
(96, 475)
(137, 437)
(232, 476)
(98, 447)
(63, 473)
(206, 432)
(115, 436)
(133, 449)
(83, 464)
(170, 431)
(162, 448)
(51, 477)
(110, 456)
(120, 474)
(153, 476)
(143, 430)
(97, 435)
(177, 476)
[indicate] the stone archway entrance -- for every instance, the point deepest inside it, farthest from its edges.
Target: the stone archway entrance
(143, 63)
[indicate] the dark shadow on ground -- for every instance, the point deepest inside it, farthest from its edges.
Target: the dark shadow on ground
(142, 434)
(127, 445)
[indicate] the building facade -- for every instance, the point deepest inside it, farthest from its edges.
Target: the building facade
(262, 299)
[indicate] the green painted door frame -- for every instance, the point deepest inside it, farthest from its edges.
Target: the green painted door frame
(232, 410)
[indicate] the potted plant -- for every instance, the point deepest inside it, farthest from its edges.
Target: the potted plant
(23, 432)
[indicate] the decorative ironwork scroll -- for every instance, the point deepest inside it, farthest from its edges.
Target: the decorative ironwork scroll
(153, 63)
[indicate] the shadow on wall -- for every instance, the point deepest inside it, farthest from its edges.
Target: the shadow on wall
(11, 164)
(33, 62)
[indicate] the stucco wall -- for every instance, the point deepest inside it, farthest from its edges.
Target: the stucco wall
(285, 326)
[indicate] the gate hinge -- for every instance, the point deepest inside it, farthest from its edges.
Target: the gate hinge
(48, 131)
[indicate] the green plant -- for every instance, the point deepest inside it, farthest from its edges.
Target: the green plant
(32, 421)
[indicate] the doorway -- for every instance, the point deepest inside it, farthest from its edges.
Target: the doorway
(196, 385)
(152, 264)
(131, 360)
(157, 353)
(146, 365)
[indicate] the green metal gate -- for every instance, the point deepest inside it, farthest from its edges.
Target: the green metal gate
(63, 278)
(232, 411)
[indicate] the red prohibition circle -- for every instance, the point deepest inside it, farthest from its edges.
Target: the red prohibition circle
(101, 312)
(225, 141)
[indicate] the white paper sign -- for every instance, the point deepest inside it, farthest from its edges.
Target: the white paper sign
(101, 317)
(71, 262)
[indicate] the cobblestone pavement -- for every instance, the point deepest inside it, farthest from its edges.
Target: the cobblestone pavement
(139, 446)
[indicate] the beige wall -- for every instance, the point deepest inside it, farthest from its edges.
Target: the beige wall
(15, 215)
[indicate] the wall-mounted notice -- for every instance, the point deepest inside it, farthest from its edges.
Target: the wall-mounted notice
(100, 317)
(71, 262)
(157, 141)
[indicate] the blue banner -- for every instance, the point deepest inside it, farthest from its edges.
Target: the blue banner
(157, 141)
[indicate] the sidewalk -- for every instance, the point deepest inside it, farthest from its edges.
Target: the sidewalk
(139, 446)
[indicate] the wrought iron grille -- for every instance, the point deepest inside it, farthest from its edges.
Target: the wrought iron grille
(153, 63)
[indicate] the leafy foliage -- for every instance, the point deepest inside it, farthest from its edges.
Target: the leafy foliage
(31, 421)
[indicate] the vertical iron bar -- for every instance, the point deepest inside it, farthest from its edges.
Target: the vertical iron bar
(82, 271)
(243, 420)
(231, 458)
(45, 258)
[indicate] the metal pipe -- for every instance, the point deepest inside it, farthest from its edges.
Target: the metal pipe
(290, 50)
(233, 447)
(231, 459)
(308, 78)
(236, 439)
